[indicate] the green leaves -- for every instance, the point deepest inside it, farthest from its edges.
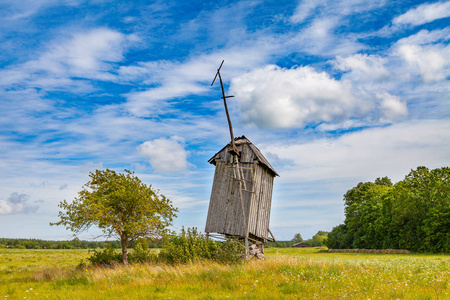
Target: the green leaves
(297, 238)
(190, 246)
(413, 214)
(120, 205)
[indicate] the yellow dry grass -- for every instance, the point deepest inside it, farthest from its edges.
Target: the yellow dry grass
(286, 274)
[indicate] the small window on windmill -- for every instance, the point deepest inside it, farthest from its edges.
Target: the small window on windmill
(241, 195)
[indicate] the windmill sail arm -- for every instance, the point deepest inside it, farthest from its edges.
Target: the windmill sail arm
(218, 70)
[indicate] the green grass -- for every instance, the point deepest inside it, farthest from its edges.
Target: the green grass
(288, 273)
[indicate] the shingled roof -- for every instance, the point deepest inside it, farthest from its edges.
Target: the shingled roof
(240, 141)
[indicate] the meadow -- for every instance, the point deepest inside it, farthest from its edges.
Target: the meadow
(287, 273)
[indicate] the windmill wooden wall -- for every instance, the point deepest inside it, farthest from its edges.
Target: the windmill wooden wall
(225, 211)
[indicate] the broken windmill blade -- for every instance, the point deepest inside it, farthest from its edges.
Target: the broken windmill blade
(233, 146)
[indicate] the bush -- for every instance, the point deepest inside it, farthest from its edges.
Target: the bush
(107, 256)
(140, 252)
(190, 246)
(231, 252)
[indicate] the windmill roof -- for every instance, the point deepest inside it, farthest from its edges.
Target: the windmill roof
(243, 140)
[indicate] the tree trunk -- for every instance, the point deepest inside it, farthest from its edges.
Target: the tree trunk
(124, 254)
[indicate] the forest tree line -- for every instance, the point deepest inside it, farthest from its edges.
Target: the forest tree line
(14, 243)
(413, 214)
(317, 240)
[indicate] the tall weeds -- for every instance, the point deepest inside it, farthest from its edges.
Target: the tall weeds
(192, 246)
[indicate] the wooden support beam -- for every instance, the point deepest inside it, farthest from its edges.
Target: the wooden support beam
(271, 235)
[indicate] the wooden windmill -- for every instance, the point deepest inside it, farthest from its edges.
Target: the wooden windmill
(241, 195)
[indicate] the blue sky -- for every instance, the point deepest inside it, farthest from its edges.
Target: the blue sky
(332, 92)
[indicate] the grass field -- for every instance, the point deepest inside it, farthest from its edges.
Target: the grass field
(288, 273)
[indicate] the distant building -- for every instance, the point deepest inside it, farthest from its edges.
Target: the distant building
(300, 245)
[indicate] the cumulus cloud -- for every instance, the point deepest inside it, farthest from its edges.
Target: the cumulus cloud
(425, 54)
(17, 204)
(282, 98)
(415, 65)
(424, 13)
(430, 62)
(165, 155)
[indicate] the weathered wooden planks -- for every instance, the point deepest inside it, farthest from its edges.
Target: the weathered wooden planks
(225, 214)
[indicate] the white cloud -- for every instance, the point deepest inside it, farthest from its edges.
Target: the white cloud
(305, 9)
(392, 107)
(165, 155)
(425, 37)
(321, 34)
(430, 62)
(365, 155)
(283, 98)
(364, 67)
(341, 8)
(154, 101)
(424, 13)
(24, 9)
(413, 68)
(17, 204)
(319, 38)
(171, 80)
(424, 54)
(83, 54)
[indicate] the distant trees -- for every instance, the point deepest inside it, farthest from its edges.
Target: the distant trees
(297, 238)
(44, 244)
(318, 239)
(413, 214)
(121, 206)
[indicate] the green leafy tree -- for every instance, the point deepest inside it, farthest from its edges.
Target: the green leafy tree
(339, 238)
(363, 207)
(297, 238)
(384, 181)
(76, 243)
(413, 214)
(420, 209)
(121, 206)
(318, 239)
